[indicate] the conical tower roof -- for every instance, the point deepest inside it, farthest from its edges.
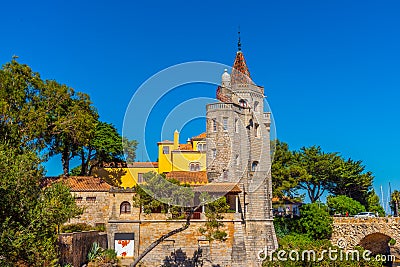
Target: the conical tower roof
(240, 72)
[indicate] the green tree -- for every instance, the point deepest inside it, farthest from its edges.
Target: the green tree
(318, 169)
(394, 202)
(72, 123)
(352, 181)
(29, 216)
(23, 118)
(212, 228)
(106, 146)
(343, 204)
(285, 171)
(315, 221)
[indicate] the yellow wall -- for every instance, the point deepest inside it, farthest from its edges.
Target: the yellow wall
(130, 175)
(164, 160)
(182, 159)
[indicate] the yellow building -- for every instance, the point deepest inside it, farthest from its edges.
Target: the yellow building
(183, 162)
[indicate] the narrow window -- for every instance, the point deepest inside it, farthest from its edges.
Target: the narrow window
(256, 106)
(91, 199)
(256, 130)
(140, 178)
(237, 160)
(225, 175)
(214, 124)
(125, 207)
(225, 120)
(78, 199)
(236, 126)
(254, 166)
(214, 153)
(242, 103)
(165, 149)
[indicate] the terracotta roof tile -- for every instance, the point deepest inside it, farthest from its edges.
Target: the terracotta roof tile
(200, 136)
(143, 165)
(240, 72)
(186, 177)
(219, 188)
(80, 183)
(185, 147)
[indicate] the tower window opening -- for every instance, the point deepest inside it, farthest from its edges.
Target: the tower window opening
(214, 153)
(256, 130)
(254, 166)
(236, 126)
(225, 175)
(214, 125)
(256, 106)
(243, 103)
(225, 124)
(237, 160)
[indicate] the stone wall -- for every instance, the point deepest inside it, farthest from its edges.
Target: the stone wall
(96, 207)
(184, 245)
(74, 247)
(353, 230)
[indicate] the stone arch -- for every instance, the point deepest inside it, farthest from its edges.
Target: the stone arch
(377, 243)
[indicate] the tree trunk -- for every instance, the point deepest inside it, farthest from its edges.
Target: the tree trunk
(162, 238)
(396, 209)
(83, 163)
(65, 161)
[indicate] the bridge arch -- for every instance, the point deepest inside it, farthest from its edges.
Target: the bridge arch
(365, 231)
(377, 243)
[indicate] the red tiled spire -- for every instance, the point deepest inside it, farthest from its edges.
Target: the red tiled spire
(240, 71)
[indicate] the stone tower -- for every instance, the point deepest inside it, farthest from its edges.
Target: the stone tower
(238, 152)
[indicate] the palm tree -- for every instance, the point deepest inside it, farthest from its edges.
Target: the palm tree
(395, 199)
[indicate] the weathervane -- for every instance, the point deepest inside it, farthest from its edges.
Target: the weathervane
(239, 43)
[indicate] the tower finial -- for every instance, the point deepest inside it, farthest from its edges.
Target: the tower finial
(239, 43)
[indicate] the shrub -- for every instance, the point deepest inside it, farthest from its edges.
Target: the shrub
(76, 227)
(315, 221)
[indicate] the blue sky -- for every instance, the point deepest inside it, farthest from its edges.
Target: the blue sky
(330, 68)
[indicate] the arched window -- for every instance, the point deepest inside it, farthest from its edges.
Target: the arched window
(125, 208)
(243, 103)
(194, 166)
(202, 147)
(255, 106)
(256, 130)
(254, 166)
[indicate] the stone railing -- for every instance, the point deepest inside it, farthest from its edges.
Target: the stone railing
(225, 106)
(352, 220)
(267, 117)
(168, 217)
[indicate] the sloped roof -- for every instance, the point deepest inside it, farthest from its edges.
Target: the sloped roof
(166, 142)
(186, 177)
(200, 136)
(80, 183)
(185, 147)
(143, 165)
(219, 188)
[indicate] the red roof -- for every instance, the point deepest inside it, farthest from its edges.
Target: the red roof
(143, 165)
(240, 72)
(200, 136)
(219, 188)
(187, 177)
(80, 183)
(185, 147)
